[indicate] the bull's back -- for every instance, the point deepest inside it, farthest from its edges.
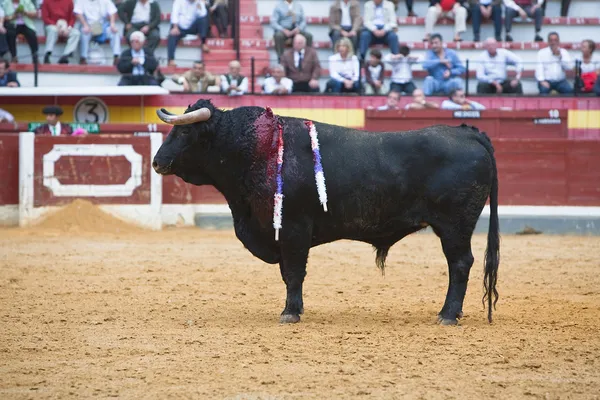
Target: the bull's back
(386, 180)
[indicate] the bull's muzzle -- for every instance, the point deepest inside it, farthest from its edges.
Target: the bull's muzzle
(162, 168)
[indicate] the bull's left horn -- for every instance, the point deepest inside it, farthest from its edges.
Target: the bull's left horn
(200, 115)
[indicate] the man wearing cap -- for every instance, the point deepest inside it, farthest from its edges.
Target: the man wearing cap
(53, 127)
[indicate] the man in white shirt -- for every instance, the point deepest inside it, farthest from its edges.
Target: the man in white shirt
(458, 101)
(277, 83)
(419, 102)
(491, 70)
(380, 25)
(5, 116)
(401, 70)
(98, 22)
(233, 83)
(393, 98)
(552, 62)
(188, 17)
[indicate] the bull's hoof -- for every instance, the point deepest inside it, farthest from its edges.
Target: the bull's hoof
(447, 321)
(289, 318)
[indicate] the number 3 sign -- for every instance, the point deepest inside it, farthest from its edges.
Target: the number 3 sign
(90, 110)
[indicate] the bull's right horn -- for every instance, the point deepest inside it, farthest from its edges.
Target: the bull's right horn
(200, 115)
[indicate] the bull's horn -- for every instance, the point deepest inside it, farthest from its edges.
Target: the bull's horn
(202, 114)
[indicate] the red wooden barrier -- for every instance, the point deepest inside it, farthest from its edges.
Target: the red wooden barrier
(496, 123)
(531, 172)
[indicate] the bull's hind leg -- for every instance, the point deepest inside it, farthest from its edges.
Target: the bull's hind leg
(294, 255)
(457, 249)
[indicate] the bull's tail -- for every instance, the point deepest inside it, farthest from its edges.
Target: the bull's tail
(382, 252)
(492, 252)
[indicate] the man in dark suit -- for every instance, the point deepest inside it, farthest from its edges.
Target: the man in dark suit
(302, 66)
(143, 16)
(137, 64)
(53, 127)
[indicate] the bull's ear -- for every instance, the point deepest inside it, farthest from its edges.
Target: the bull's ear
(200, 115)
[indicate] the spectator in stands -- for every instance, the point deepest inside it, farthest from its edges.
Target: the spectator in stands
(391, 103)
(344, 69)
(302, 66)
(446, 8)
(188, 17)
(98, 23)
(277, 83)
(484, 10)
(444, 68)
(552, 62)
(219, 15)
(199, 80)
(458, 101)
(589, 67)
(374, 71)
(492, 66)
(137, 64)
(419, 102)
(401, 70)
(59, 19)
(5, 116)
(3, 42)
(380, 25)
(233, 83)
(7, 77)
(18, 20)
(524, 8)
(53, 127)
(143, 16)
(288, 21)
(345, 21)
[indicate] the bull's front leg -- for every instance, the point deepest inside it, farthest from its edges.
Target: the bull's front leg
(295, 245)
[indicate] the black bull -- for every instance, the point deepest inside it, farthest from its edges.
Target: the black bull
(381, 187)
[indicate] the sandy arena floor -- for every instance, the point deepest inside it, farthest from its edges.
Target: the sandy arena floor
(186, 313)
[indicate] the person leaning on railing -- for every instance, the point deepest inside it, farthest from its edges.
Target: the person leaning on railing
(458, 101)
(420, 102)
(277, 83)
(198, 80)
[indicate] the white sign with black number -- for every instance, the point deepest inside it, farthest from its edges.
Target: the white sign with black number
(91, 110)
